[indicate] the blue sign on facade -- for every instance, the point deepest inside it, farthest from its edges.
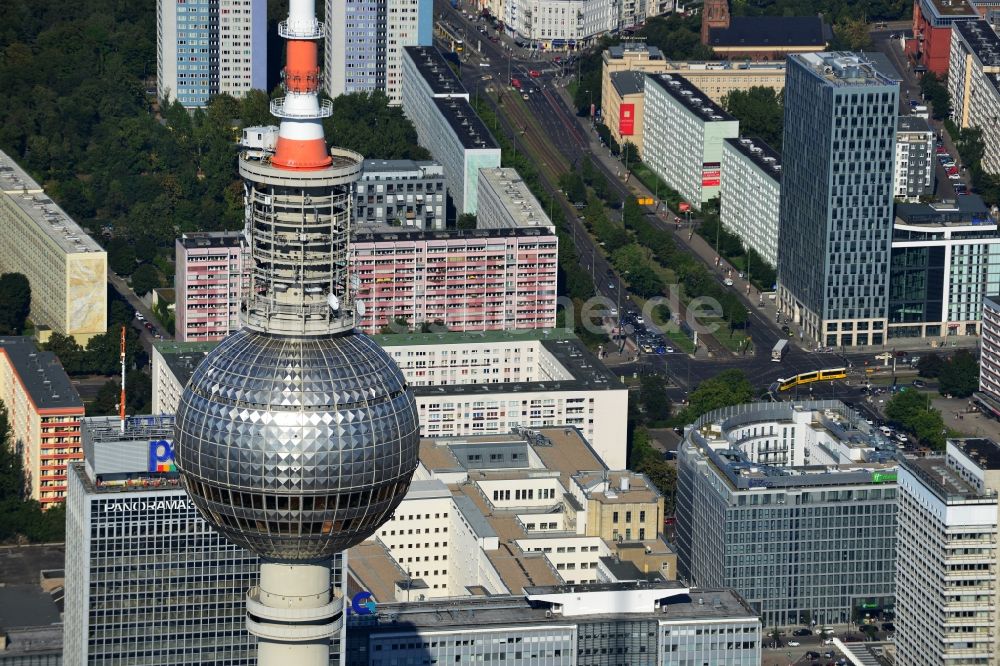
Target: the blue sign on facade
(161, 456)
(362, 604)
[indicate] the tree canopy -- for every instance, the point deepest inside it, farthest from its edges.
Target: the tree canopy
(760, 111)
(15, 303)
(912, 410)
(729, 387)
(959, 376)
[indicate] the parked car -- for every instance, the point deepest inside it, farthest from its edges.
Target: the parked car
(919, 383)
(138, 315)
(728, 282)
(793, 643)
(534, 73)
(802, 632)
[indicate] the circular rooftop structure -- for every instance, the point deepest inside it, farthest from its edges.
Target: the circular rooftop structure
(297, 447)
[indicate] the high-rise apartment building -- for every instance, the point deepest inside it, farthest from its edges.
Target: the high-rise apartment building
(932, 31)
(66, 269)
(836, 218)
(210, 281)
(974, 85)
(915, 161)
(682, 136)
(750, 195)
(506, 202)
(446, 124)
(988, 396)
(44, 412)
(459, 280)
(946, 556)
(792, 506)
(148, 581)
(363, 51)
(210, 47)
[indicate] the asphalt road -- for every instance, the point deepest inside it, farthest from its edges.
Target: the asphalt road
(146, 337)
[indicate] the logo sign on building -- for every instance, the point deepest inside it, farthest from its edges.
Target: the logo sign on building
(626, 119)
(711, 174)
(161, 456)
(684, 206)
(362, 604)
(883, 477)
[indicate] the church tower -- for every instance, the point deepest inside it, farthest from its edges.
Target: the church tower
(714, 14)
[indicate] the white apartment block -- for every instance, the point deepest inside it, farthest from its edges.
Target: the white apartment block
(682, 136)
(946, 556)
(559, 24)
(505, 202)
(751, 195)
(974, 84)
(492, 382)
(914, 167)
(66, 269)
(437, 104)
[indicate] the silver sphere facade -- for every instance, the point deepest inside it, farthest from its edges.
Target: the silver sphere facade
(297, 447)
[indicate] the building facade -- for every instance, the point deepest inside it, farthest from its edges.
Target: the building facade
(402, 193)
(792, 506)
(477, 280)
(945, 260)
(210, 282)
(651, 625)
(43, 412)
(914, 167)
(750, 200)
(559, 24)
(365, 40)
(437, 104)
(206, 48)
(836, 217)
(149, 582)
(67, 270)
(623, 112)
(932, 31)
(506, 202)
(988, 396)
(480, 383)
(974, 85)
(946, 555)
(682, 138)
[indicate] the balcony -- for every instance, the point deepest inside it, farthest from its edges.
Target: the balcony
(278, 109)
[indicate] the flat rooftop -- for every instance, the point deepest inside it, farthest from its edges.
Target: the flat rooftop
(41, 374)
(966, 210)
(912, 124)
(843, 68)
(766, 158)
(982, 39)
(386, 233)
(372, 169)
(618, 51)
(691, 97)
(521, 206)
(501, 611)
(629, 82)
(436, 71)
(183, 357)
(639, 487)
(771, 31)
(950, 9)
(984, 452)
(200, 239)
(942, 479)
(375, 569)
(466, 124)
(27, 195)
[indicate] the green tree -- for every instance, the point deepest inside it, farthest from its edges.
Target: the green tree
(68, 351)
(15, 303)
(930, 365)
(729, 387)
(959, 376)
(852, 34)
(145, 279)
(105, 403)
(934, 90)
(760, 112)
(653, 397)
(121, 257)
(906, 405)
(466, 221)
(643, 458)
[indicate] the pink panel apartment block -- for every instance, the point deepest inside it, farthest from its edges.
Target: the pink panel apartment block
(475, 280)
(472, 280)
(209, 281)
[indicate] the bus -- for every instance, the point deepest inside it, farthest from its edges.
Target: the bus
(780, 347)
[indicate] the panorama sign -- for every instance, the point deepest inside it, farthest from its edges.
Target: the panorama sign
(149, 505)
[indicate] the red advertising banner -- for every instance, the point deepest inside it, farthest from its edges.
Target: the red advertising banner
(626, 119)
(711, 174)
(684, 206)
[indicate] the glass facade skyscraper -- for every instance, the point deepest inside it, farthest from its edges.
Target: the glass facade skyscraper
(790, 505)
(837, 196)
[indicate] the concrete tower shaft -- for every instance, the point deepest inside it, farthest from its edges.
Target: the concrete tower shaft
(301, 144)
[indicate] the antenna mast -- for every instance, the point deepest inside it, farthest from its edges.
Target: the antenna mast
(121, 399)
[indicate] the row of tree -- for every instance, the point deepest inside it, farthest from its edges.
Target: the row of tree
(912, 410)
(957, 375)
(729, 245)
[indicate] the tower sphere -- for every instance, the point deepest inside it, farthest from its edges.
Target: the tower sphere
(297, 447)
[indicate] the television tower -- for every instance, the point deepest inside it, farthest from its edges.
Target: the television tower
(297, 436)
